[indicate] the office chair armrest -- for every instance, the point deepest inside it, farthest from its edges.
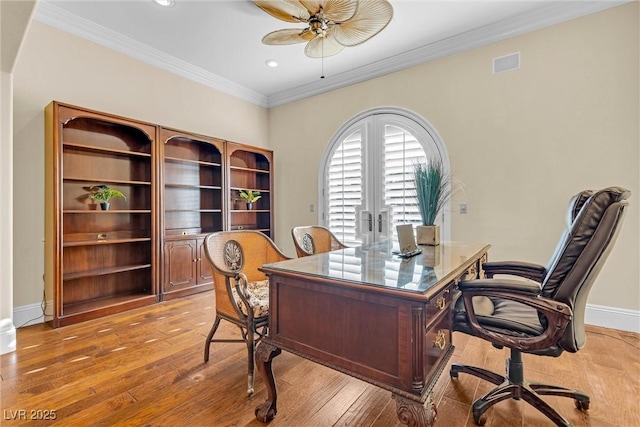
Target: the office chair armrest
(527, 270)
(558, 316)
(500, 285)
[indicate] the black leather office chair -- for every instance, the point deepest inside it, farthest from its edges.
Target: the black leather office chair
(544, 315)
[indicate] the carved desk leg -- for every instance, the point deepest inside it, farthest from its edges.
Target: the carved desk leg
(415, 414)
(264, 355)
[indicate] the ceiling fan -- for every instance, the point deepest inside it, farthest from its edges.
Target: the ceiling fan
(332, 25)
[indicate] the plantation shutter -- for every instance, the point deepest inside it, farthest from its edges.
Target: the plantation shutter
(345, 188)
(401, 151)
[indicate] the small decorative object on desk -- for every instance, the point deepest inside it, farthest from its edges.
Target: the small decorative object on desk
(251, 196)
(432, 192)
(406, 241)
(103, 194)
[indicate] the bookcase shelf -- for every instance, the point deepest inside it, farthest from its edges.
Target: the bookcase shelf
(103, 271)
(110, 151)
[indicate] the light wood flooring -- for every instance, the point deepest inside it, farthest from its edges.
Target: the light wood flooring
(145, 368)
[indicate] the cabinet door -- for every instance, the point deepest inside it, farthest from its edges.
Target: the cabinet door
(180, 259)
(203, 265)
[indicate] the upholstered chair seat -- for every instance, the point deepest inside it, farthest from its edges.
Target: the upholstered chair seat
(258, 297)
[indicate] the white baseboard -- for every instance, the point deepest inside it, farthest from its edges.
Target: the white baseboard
(597, 315)
(612, 317)
(7, 336)
(28, 315)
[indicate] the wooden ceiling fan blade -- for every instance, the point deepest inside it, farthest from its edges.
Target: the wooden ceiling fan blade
(285, 10)
(371, 17)
(337, 10)
(313, 6)
(321, 47)
(288, 36)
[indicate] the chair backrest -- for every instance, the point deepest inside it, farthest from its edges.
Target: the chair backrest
(232, 252)
(593, 223)
(314, 239)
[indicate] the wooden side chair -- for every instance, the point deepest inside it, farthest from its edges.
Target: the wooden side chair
(314, 239)
(241, 290)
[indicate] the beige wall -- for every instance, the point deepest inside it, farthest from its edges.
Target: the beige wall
(55, 65)
(521, 142)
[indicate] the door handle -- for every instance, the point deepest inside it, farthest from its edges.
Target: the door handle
(370, 222)
(379, 223)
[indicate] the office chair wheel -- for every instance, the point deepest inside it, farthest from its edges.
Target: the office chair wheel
(480, 419)
(453, 373)
(582, 405)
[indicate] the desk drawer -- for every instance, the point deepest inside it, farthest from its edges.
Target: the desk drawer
(438, 304)
(437, 342)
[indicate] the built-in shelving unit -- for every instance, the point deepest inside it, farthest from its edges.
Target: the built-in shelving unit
(179, 187)
(100, 261)
(250, 169)
(193, 206)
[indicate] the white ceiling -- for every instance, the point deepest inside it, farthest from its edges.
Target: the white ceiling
(218, 42)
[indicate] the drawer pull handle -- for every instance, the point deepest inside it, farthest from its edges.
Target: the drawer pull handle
(441, 302)
(441, 339)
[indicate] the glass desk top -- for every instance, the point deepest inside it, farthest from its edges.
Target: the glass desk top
(376, 265)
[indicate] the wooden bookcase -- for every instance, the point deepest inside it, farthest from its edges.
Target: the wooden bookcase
(193, 206)
(98, 262)
(250, 168)
(179, 187)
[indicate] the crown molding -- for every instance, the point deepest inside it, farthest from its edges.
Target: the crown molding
(49, 14)
(551, 14)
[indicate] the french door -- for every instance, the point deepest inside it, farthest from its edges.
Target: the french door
(367, 176)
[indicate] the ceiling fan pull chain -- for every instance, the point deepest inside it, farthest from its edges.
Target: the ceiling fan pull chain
(322, 59)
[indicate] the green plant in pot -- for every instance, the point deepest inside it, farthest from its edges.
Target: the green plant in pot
(433, 190)
(103, 194)
(250, 196)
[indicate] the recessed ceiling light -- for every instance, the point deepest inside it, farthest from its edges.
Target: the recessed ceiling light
(166, 3)
(271, 63)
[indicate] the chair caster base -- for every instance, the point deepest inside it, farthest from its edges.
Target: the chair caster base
(514, 386)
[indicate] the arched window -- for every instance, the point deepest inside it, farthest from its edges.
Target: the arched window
(366, 176)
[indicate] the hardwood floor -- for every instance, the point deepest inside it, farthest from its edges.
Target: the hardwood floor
(145, 367)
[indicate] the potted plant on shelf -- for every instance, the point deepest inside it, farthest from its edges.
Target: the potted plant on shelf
(103, 194)
(433, 190)
(251, 197)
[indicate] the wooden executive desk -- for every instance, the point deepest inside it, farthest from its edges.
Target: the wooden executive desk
(369, 314)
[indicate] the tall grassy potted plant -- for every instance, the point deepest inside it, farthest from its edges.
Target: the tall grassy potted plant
(433, 190)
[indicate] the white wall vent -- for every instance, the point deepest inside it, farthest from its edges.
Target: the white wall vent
(506, 63)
